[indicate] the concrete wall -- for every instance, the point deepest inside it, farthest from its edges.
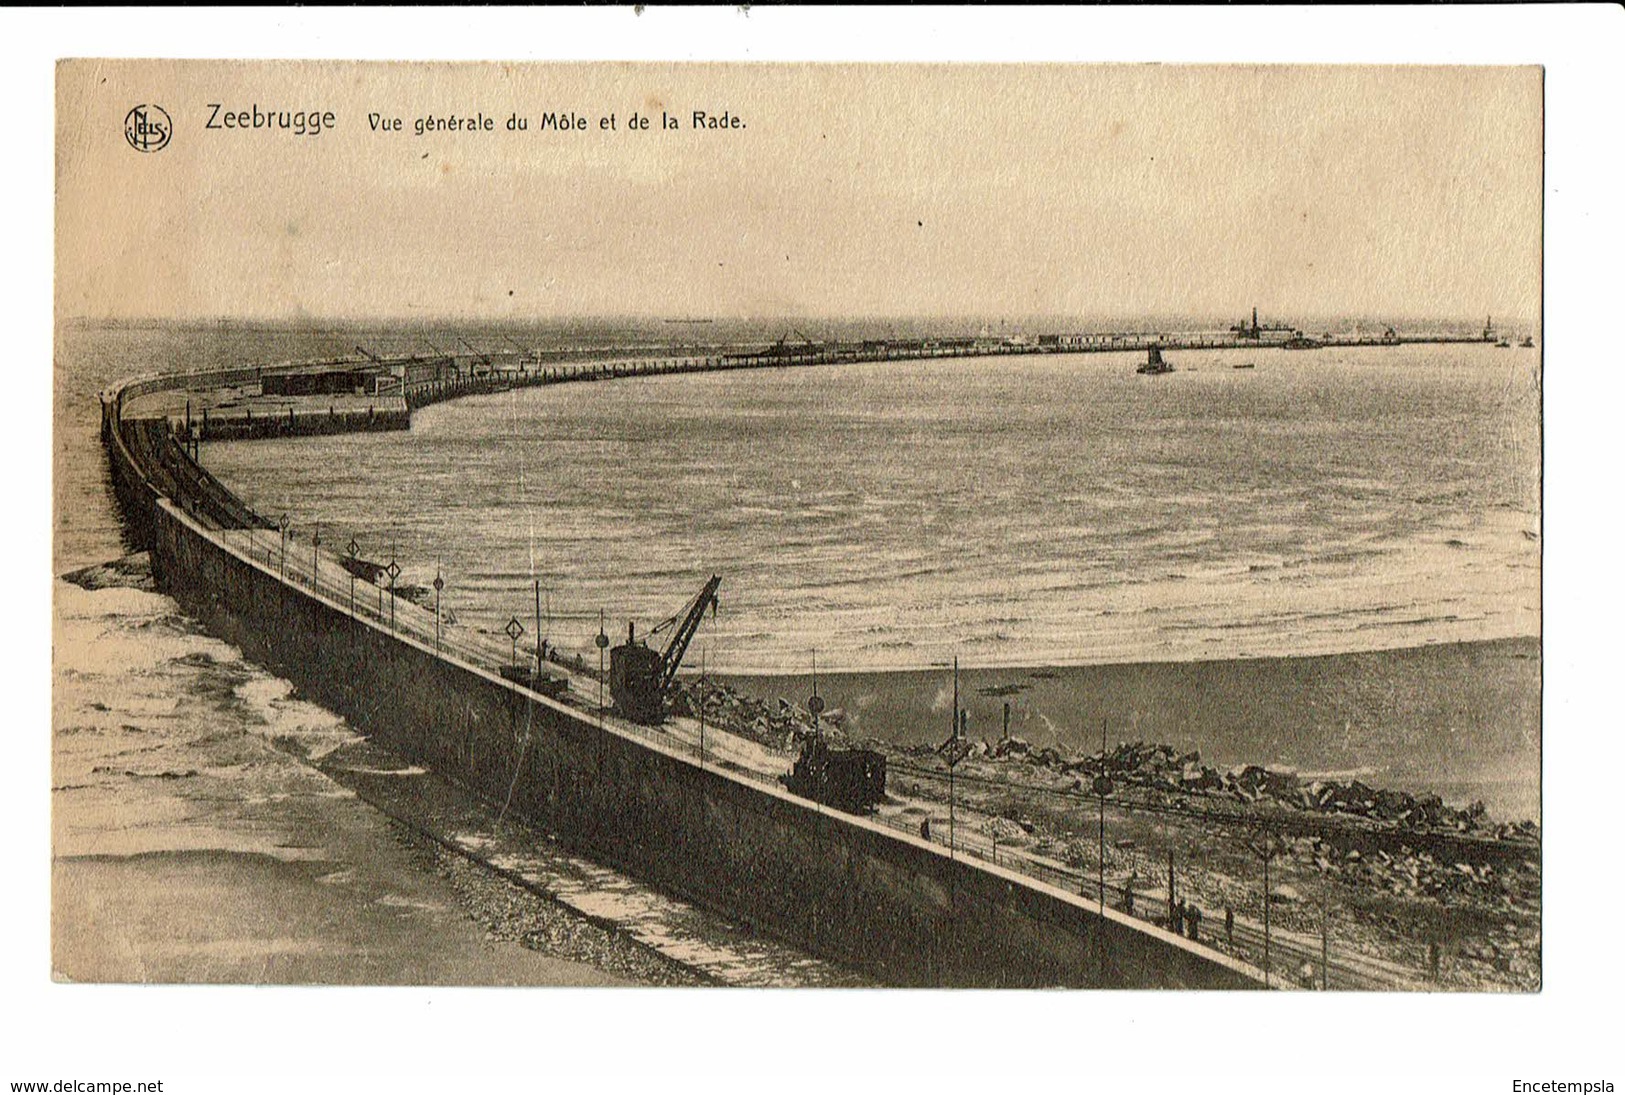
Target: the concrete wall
(892, 905)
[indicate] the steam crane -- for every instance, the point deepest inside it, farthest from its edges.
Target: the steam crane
(389, 376)
(483, 359)
(639, 679)
(782, 347)
(525, 356)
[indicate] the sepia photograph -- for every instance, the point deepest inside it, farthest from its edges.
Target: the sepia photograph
(988, 526)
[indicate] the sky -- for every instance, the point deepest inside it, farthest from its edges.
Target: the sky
(881, 190)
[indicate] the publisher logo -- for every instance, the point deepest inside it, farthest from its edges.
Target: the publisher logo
(147, 127)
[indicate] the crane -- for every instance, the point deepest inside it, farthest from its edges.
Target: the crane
(639, 678)
(525, 356)
(483, 359)
(781, 348)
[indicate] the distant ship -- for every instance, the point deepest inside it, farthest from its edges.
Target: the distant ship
(1299, 342)
(1154, 365)
(1503, 344)
(1528, 342)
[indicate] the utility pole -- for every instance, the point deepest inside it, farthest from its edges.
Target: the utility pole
(815, 704)
(1103, 786)
(1266, 846)
(954, 737)
(1325, 940)
(540, 642)
(1170, 888)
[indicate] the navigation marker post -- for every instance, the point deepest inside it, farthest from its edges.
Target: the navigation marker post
(514, 630)
(394, 571)
(439, 584)
(354, 549)
(602, 642)
(815, 702)
(283, 524)
(954, 750)
(315, 542)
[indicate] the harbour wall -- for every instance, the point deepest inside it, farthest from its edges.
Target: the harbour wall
(895, 906)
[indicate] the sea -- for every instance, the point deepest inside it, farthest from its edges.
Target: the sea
(1047, 510)
(1009, 513)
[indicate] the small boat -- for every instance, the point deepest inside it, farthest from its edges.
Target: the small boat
(1528, 342)
(1503, 345)
(1154, 365)
(1244, 365)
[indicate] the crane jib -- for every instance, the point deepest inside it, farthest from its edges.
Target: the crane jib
(684, 634)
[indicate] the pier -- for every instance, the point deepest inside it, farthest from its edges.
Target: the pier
(373, 392)
(899, 907)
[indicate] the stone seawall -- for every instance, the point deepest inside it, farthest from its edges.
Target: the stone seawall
(896, 907)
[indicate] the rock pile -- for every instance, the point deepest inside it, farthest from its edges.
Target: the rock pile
(780, 724)
(1159, 767)
(1418, 873)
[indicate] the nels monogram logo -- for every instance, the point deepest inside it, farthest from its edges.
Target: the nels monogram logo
(147, 127)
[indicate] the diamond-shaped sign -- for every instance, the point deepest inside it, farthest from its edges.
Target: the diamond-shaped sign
(284, 522)
(393, 570)
(316, 539)
(354, 548)
(438, 584)
(514, 628)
